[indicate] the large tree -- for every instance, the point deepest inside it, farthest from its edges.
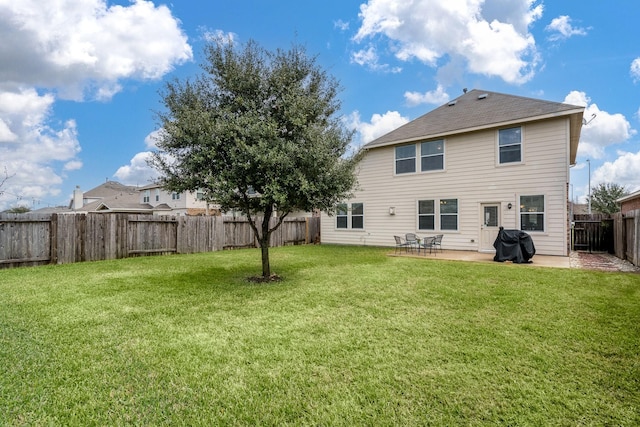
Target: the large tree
(257, 131)
(604, 197)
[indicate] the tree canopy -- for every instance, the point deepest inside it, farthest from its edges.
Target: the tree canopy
(604, 197)
(259, 132)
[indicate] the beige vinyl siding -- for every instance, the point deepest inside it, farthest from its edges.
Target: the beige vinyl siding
(472, 175)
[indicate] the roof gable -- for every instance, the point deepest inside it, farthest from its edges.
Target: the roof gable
(478, 109)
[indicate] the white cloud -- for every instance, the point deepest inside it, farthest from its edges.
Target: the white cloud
(604, 130)
(635, 69)
(380, 124)
(73, 165)
(220, 36)
(625, 171)
(341, 25)
(562, 29)
(83, 48)
(437, 96)
(369, 58)
(491, 36)
(38, 149)
(72, 49)
(138, 171)
(6, 135)
(151, 139)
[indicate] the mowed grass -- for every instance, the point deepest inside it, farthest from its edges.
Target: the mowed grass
(349, 337)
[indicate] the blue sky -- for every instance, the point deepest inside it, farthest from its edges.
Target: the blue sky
(79, 79)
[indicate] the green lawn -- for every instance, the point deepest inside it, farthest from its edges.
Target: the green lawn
(349, 337)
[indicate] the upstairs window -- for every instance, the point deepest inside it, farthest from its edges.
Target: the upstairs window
(532, 213)
(157, 195)
(406, 159)
(175, 196)
(432, 155)
(146, 196)
(510, 145)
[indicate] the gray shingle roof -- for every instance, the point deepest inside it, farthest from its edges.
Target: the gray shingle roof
(110, 188)
(479, 109)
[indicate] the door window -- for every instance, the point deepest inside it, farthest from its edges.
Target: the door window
(491, 216)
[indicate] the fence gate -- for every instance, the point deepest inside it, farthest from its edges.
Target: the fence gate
(593, 233)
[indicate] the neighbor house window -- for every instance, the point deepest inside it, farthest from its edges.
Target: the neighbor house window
(432, 155)
(199, 195)
(532, 213)
(175, 196)
(157, 195)
(146, 196)
(406, 159)
(350, 216)
(510, 145)
(449, 214)
(426, 215)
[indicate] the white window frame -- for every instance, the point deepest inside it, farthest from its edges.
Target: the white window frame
(157, 194)
(175, 196)
(348, 216)
(146, 196)
(434, 215)
(404, 159)
(449, 214)
(437, 215)
(522, 212)
(519, 144)
(422, 155)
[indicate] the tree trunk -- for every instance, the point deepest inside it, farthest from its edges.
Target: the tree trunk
(265, 238)
(264, 247)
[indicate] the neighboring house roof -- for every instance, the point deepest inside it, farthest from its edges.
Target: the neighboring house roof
(109, 188)
(52, 210)
(148, 187)
(118, 205)
(478, 110)
(118, 200)
(162, 207)
(628, 197)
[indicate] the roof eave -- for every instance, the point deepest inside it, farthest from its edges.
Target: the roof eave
(575, 116)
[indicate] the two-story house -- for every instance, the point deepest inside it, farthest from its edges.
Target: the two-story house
(164, 202)
(479, 162)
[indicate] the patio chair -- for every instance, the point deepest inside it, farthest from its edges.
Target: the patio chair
(401, 243)
(429, 243)
(412, 240)
(438, 242)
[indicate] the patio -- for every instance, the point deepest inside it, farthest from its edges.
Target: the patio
(537, 260)
(577, 259)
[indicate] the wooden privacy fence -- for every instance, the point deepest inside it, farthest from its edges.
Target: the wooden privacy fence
(36, 239)
(627, 236)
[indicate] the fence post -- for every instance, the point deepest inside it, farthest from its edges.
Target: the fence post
(53, 239)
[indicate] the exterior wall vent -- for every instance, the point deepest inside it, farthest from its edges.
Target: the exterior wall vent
(483, 96)
(452, 103)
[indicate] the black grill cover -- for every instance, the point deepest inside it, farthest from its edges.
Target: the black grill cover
(513, 245)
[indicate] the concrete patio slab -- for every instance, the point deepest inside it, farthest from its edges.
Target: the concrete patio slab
(537, 260)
